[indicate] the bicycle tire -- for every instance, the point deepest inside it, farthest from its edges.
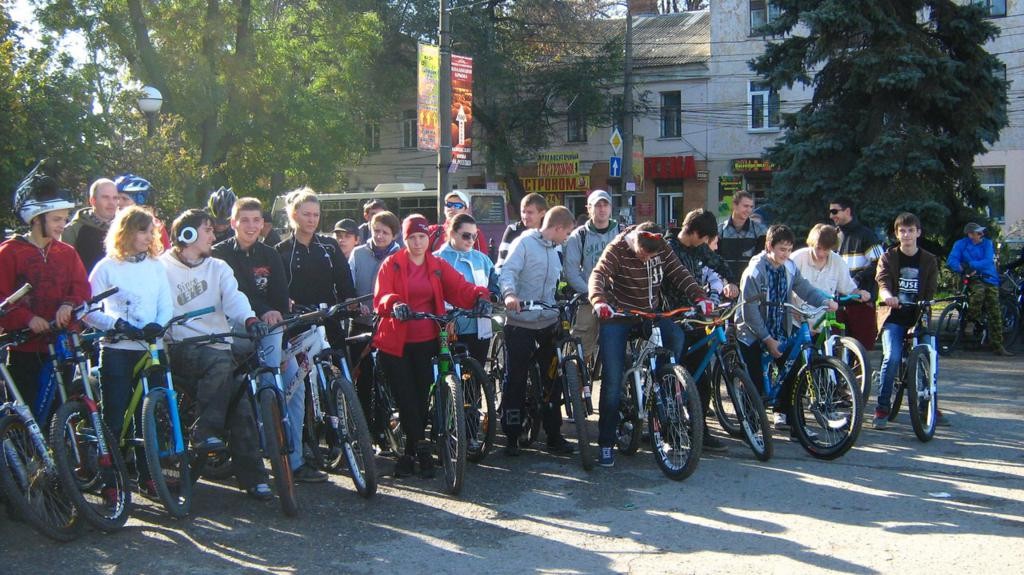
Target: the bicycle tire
(573, 373)
(630, 429)
(354, 434)
(950, 330)
(530, 415)
(725, 403)
(170, 472)
(34, 492)
(86, 475)
(852, 353)
(387, 412)
(1011, 321)
(481, 414)
(921, 400)
(452, 421)
(495, 367)
(757, 432)
(276, 450)
(678, 438)
(898, 388)
(832, 402)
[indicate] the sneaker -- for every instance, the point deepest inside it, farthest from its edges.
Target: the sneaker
(260, 492)
(940, 419)
(404, 466)
(425, 457)
(713, 444)
(210, 444)
(512, 448)
(781, 423)
(607, 457)
(559, 446)
(1002, 351)
(881, 420)
(307, 474)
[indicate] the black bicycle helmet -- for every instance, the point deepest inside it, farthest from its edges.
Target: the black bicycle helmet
(220, 204)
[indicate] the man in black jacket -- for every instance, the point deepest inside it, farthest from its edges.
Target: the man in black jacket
(860, 249)
(88, 230)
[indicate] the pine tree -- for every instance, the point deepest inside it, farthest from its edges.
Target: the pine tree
(905, 96)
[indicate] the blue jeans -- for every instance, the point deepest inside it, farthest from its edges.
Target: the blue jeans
(612, 342)
(892, 355)
(116, 367)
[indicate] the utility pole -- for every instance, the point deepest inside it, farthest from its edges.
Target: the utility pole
(444, 110)
(627, 122)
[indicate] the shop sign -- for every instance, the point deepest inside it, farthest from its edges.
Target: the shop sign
(670, 168)
(558, 164)
(751, 165)
(557, 184)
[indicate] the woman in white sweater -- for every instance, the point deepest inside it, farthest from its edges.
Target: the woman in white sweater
(144, 298)
(823, 267)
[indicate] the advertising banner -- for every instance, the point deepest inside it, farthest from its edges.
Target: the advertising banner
(428, 65)
(462, 110)
(558, 164)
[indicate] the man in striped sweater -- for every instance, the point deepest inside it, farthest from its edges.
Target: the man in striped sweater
(629, 276)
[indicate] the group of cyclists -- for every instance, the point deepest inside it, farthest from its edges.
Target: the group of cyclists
(228, 259)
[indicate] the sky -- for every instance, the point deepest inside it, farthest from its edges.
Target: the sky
(23, 13)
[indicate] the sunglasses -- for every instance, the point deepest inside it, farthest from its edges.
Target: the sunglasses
(835, 211)
(455, 205)
(468, 236)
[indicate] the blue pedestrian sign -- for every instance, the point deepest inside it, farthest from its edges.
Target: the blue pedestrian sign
(615, 167)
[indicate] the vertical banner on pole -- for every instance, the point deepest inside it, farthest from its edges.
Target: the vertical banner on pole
(462, 110)
(429, 63)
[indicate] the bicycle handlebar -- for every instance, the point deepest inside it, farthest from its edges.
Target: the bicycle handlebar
(14, 297)
(722, 314)
(636, 313)
(448, 316)
(153, 336)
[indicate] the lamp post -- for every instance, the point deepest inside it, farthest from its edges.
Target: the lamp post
(149, 104)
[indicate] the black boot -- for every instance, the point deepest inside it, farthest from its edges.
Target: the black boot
(425, 456)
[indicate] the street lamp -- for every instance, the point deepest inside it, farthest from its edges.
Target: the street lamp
(149, 104)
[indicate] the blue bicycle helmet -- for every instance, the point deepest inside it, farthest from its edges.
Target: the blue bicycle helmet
(138, 189)
(220, 204)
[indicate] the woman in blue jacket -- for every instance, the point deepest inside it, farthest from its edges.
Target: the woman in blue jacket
(477, 268)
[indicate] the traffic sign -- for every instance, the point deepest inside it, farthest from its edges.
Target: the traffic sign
(614, 167)
(616, 141)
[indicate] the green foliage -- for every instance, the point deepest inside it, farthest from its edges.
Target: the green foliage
(900, 108)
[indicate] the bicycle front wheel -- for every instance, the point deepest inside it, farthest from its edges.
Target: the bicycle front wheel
(386, 412)
(950, 329)
(31, 488)
(921, 400)
(630, 428)
(1011, 321)
(752, 417)
(573, 391)
(95, 481)
(275, 448)
(826, 414)
(481, 415)
(725, 401)
(354, 433)
(677, 428)
(452, 425)
(850, 351)
(169, 468)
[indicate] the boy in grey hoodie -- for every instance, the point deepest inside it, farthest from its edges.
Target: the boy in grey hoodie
(530, 273)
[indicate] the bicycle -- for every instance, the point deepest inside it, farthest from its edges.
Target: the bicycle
(918, 375)
(90, 467)
(953, 322)
(1011, 298)
(738, 405)
(447, 421)
(162, 439)
(668, 400)
(570, 372)
(28, 473)
(845, 348)
(825, 392)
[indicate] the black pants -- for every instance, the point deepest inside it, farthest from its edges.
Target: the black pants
(524, 346)
(25, 368)
(752, 356)
(410, 377)
(478, 348)
(692, 362)
(362, 371)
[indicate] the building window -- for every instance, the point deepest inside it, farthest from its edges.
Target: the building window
(764, 107)
(761, 13)
(409, 129)
(372, 136)
(994, 8)
(670, 204)
(671, 114)
(993, 181)
(576, 127)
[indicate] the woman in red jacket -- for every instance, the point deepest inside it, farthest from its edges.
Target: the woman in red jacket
(414, 280)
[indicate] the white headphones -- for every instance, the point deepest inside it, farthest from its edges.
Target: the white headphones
(188, 235)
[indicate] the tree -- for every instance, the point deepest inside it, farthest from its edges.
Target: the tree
(905, 96)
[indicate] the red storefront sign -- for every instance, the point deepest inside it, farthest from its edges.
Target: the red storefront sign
(670, 168)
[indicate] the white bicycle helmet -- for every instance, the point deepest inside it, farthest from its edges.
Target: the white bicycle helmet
(38, 194)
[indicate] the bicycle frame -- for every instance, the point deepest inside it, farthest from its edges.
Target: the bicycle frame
(798, 346)
(645, 364)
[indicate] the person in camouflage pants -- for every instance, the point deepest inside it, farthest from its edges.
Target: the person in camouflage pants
(974, 256)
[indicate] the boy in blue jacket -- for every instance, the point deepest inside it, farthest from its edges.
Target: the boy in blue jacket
(974, 256)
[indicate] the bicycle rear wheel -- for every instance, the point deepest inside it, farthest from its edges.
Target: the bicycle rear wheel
(898, 388)
(33, 490)
(169, 469)
(850, 351)
(950, 329)
(1011, 321)
(826, 414)
(451, 422)
(573, 391)
(725, 402)
(275, 448)
(921, 400)
(97, 483)
(386, 412)
(481, 414)
(752, 417)
(530, 416)
(354, 434)
(677, 428)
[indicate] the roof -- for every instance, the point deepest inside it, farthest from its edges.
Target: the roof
(671, 39)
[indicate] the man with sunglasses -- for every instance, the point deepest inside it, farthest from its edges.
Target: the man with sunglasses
(860, 249)
(455, 203)
(629, 276)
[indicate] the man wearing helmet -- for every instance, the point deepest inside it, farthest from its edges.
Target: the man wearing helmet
(219, 207)
(54, 270)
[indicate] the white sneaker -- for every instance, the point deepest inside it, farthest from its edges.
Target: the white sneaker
(780, 422)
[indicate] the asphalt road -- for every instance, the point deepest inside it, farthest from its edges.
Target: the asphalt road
(892, 504)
